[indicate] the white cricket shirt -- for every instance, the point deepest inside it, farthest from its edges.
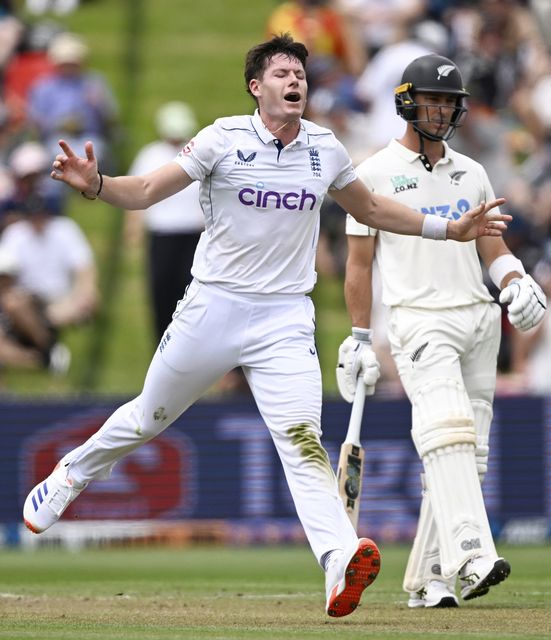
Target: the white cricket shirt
(261, 202)
(418, 272)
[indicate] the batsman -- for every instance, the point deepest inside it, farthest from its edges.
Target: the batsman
(443, 328)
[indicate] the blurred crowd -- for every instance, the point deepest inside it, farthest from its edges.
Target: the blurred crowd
(48, 278)
(358, 50)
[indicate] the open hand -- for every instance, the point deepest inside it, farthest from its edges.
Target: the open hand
(479, 221)
(79, 173)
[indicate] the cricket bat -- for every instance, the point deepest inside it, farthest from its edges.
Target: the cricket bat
(351, 458)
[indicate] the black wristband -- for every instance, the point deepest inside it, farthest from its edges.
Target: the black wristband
(85, 195)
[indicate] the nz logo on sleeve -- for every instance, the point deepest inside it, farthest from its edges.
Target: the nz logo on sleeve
(315, 163)
(245, 159)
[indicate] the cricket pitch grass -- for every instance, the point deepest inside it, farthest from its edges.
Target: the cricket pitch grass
(238, 593)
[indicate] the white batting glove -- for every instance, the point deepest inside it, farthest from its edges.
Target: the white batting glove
(526, 300)
(357, 358)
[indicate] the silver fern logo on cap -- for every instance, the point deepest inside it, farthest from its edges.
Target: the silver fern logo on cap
(444, 70)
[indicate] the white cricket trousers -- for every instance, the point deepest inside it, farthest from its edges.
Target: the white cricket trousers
(272, 339)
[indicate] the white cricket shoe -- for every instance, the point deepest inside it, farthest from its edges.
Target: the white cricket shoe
(479, 574)
(49, 499)
(348, 574)
(435, 593)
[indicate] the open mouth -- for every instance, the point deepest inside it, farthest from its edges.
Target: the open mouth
(292, 97)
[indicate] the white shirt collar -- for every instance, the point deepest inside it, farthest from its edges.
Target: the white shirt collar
(267, 136)
(411, 156)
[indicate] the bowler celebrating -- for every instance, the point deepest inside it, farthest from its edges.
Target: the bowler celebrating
(263, 178)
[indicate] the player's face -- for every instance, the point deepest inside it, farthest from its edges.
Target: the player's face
(435, 112)
(281, 92)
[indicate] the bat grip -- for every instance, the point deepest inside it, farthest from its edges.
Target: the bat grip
(355, 424)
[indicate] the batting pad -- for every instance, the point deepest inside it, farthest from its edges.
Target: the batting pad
(424, 559)
(483, 415)
(458, 506)
(442, 415)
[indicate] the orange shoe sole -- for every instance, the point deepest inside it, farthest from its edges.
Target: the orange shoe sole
(31, 527)
(360, 572)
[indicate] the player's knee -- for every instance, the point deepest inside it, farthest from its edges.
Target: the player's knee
(442, 416)
(149, 422)
(305, 440)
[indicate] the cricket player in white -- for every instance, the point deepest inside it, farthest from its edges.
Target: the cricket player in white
(443, 327)
(263, 179)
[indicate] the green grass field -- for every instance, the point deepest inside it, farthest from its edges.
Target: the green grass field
(222, 593)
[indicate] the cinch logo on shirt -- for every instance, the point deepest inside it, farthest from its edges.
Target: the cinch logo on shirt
(274, 200)
(403, 183)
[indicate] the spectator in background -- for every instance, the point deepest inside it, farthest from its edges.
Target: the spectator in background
(11, 29)
(337, 55)
(173, 225)
(60, 7)
(29, 162)
(73, 103)
(381, 22)
(499, 47)
(29, 63)
(54, 262)
(27, 340)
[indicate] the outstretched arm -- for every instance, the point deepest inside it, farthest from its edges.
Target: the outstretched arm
(125, 192)
(384, 213)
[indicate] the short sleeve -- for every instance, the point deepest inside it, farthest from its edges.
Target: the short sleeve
(347, 173)
(355, 228)
(200, 155)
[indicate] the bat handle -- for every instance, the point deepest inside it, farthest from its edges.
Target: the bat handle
(353, 435)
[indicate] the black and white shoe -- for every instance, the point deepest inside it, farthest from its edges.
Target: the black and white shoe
(435, 594)
(479, 574)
